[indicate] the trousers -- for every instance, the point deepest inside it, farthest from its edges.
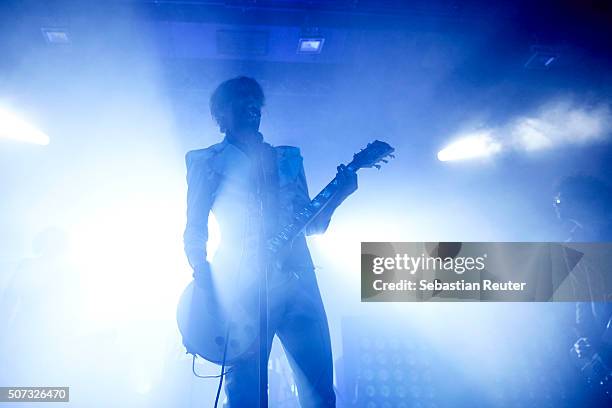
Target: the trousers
(297, 317)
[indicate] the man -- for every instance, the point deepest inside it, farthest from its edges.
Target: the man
(583, 204)
(253, 189)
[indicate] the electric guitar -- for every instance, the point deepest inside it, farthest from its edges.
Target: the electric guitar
(222, 329)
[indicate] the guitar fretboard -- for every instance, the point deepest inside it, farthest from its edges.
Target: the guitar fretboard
(374, 153)
(302, 218)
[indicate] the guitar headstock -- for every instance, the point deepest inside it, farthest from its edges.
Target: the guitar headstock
(372, 156)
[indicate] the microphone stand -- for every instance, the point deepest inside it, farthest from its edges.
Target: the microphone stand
(262, 284)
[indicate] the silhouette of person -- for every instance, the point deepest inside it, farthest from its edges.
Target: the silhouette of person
(253, 188)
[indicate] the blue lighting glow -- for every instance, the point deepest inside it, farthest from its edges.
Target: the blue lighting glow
(13, 126)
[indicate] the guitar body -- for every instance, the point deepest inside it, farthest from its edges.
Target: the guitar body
(221, 322)
(205, 324)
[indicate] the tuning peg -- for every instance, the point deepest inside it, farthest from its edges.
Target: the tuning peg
(385, 161)
(392, 156)
(377, 166)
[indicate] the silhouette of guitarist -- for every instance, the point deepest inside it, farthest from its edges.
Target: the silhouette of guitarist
(252, 188)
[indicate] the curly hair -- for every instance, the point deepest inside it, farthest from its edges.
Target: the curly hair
(231, 90)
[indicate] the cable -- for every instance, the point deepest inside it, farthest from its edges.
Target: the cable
(205, 376)
(220, 380)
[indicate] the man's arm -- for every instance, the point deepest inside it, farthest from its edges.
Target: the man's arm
(201, 185)
(347, 184)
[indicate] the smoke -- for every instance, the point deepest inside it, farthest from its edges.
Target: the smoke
(559, 124)
(555, 124)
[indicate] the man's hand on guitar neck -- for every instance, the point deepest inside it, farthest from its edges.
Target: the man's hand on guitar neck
(345, 185)
(583, 348)
(347, 182)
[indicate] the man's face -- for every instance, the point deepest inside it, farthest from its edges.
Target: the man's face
(244, 115)
(568, 208)
(569, 216)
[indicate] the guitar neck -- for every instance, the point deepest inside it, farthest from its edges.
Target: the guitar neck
(304, 217)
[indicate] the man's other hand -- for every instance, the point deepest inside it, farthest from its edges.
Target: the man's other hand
(202, 276)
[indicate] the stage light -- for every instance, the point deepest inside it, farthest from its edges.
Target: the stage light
(56, 35)
(477, 145)
(14, 127)
(310, 45)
